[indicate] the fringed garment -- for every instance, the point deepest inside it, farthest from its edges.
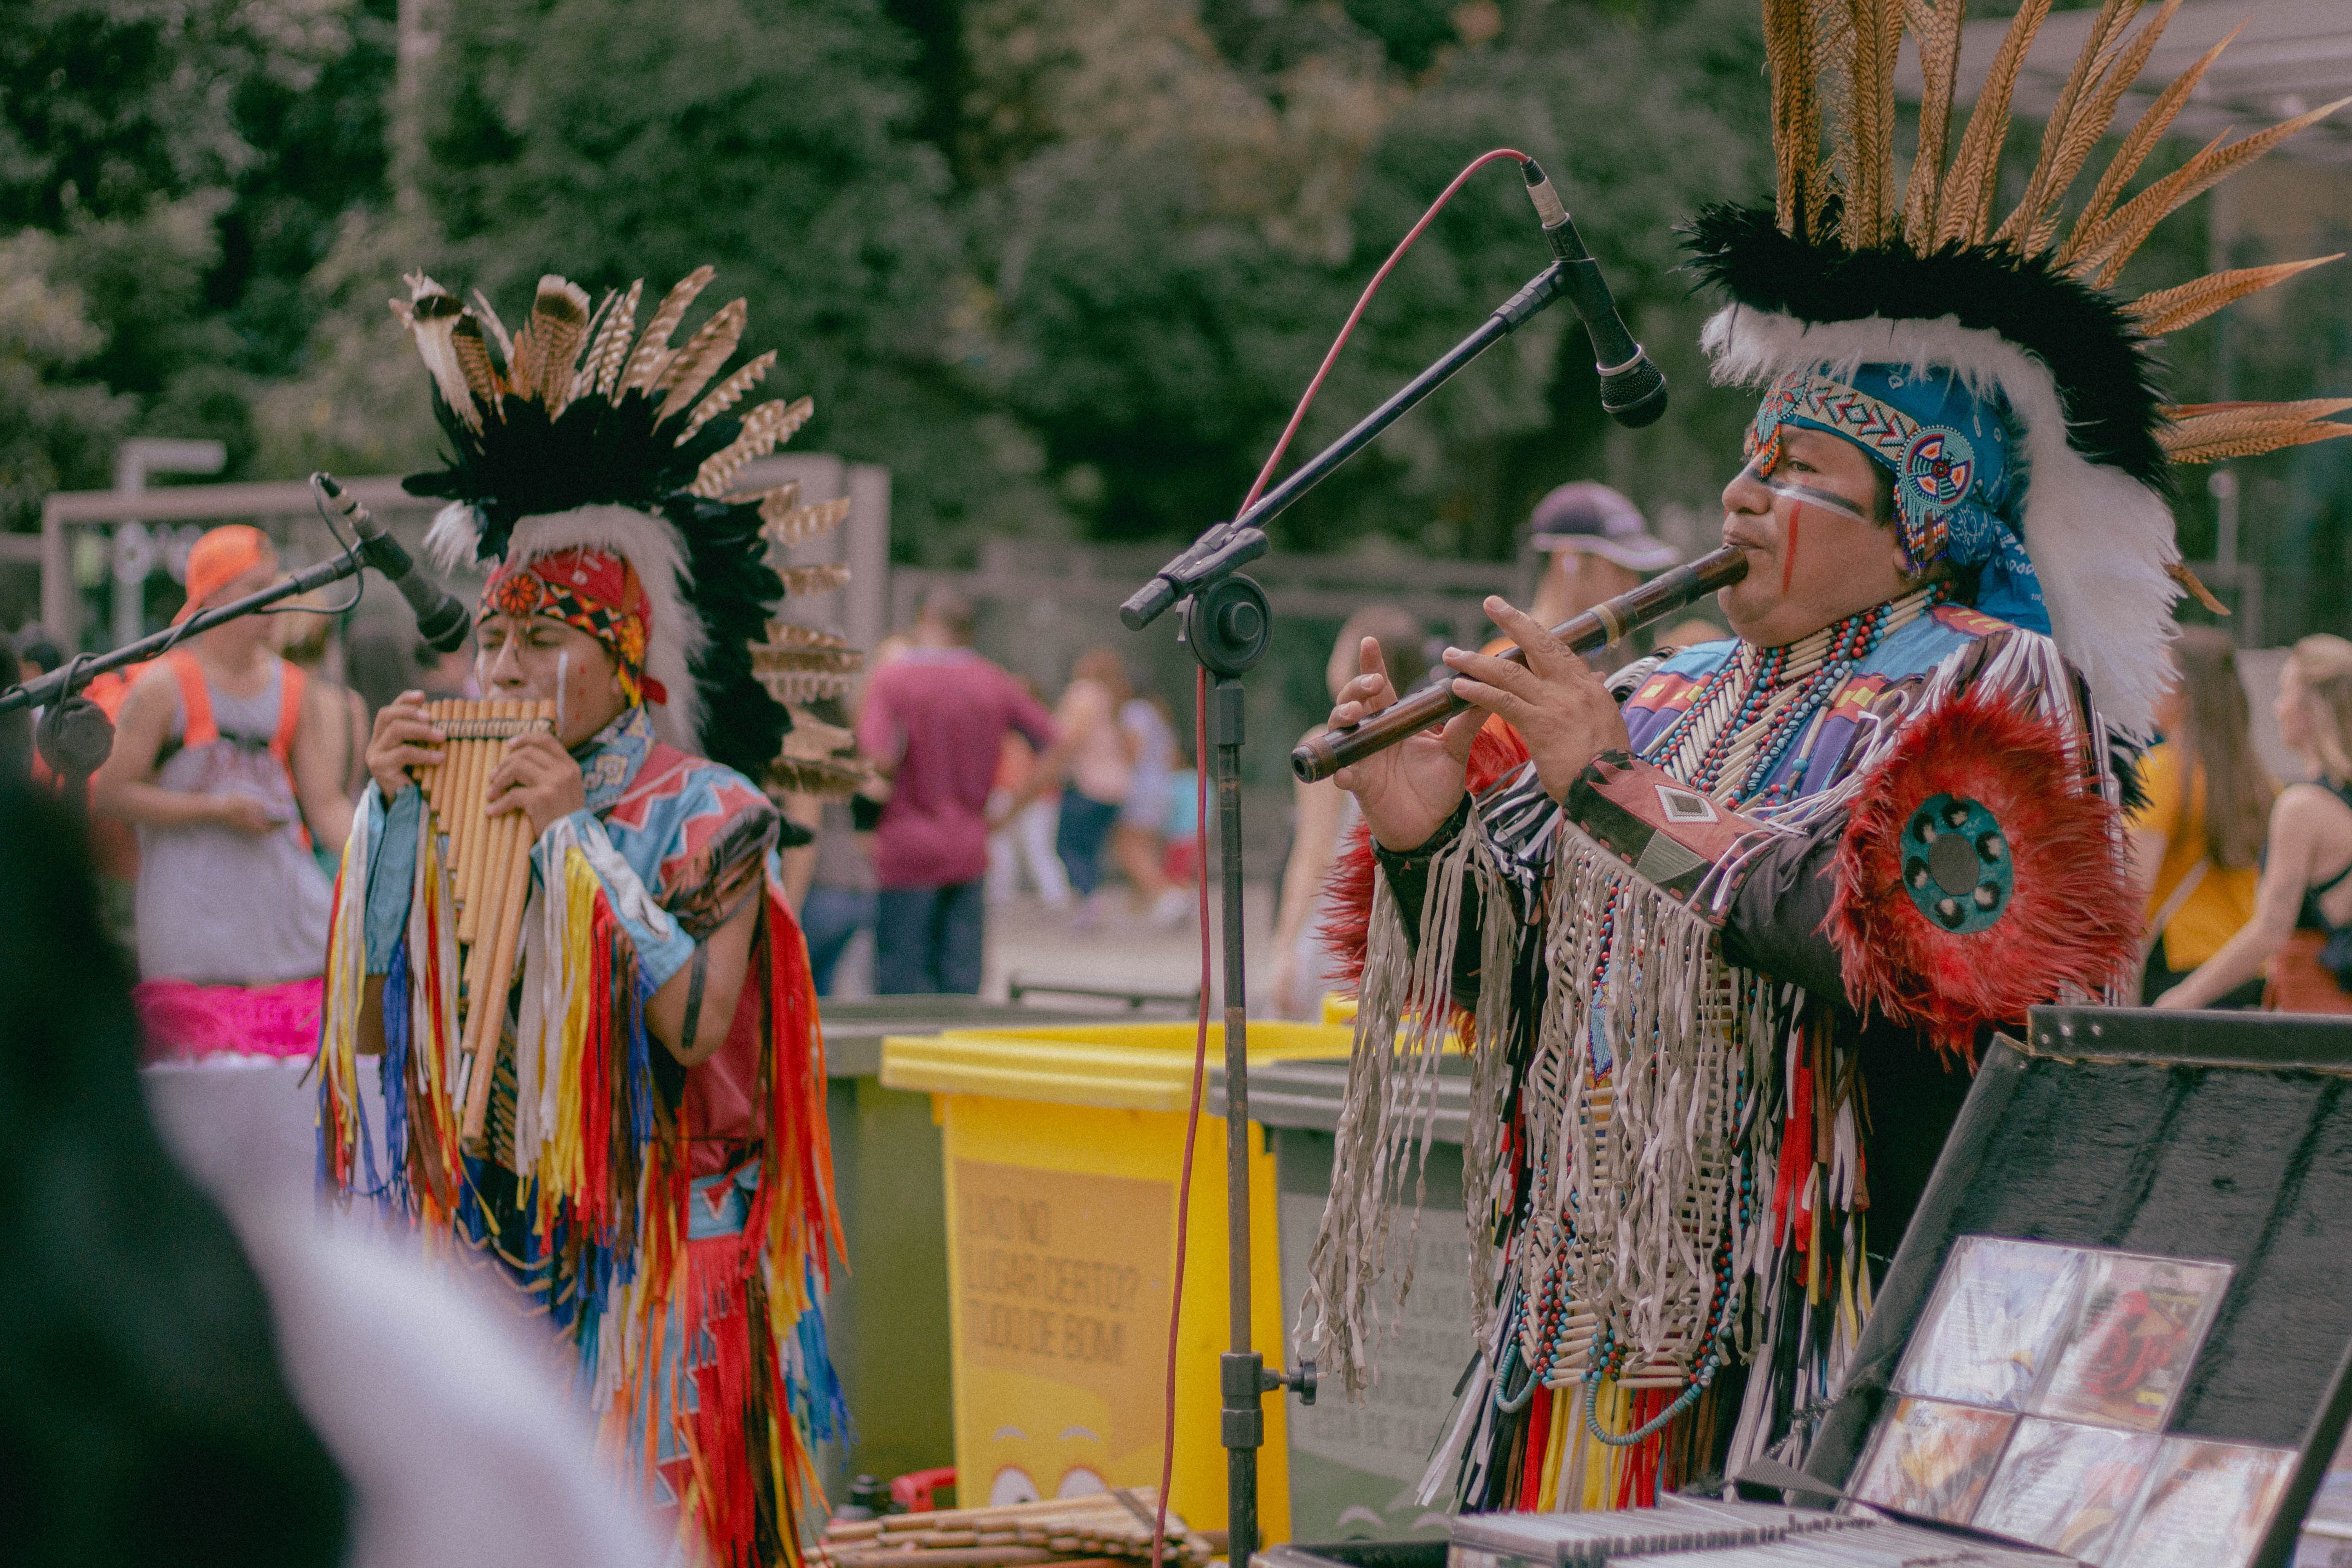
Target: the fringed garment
(676, 1222)
(1725, 998)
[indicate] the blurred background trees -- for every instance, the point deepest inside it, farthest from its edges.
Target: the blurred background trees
(1064, 265)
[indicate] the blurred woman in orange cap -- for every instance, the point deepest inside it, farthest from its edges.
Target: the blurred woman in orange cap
(224, 761)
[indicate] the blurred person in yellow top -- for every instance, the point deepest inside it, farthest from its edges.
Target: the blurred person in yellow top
(2196, 843)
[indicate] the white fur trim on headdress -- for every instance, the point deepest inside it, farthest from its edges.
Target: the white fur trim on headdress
(2100, 540)
(455, 533)
(651, 545)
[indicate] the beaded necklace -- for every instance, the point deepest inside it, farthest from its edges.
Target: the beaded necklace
(1746, 715)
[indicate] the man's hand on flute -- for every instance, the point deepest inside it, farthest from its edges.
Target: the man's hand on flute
(1560, 707)
(1407, 791)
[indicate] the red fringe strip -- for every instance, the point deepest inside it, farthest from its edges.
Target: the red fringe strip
(1539, 1438)
(794, 1202)
(745, 1517)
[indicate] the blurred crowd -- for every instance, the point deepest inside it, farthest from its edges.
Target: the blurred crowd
(218, 821)
(981, 791)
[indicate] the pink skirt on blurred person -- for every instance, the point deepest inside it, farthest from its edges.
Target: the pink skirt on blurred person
(183, 1022)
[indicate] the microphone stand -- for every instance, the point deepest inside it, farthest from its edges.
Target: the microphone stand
(1228, 624)
(76, 738)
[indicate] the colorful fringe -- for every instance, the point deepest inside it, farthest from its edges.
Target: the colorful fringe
(602, 1188)
(422, 1172)
(1556, 1466)
(764, 1390)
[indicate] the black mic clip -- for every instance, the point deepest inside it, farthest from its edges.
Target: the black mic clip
(441, 620)
(1216, 553)
(1632, 390)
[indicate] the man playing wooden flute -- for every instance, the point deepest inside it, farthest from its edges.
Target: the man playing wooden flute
(1730, 946)
(654, 1160)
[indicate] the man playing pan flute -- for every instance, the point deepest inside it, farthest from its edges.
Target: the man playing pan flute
(1717, 930)
(651, 1158)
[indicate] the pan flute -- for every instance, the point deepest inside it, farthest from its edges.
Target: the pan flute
(488, 863)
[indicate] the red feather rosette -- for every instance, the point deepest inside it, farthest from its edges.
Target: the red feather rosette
(1978, 876)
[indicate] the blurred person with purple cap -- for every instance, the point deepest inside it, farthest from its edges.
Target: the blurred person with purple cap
(1599, 546)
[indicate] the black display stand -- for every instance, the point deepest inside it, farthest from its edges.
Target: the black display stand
(2206, 1135)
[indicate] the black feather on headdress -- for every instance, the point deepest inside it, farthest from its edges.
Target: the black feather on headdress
(2090, 342)
(577, 411)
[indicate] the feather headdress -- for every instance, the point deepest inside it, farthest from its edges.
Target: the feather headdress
(1853, 267)
(579, 431)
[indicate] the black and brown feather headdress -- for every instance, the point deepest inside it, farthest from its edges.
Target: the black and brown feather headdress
(579, 429)
(1854, 264)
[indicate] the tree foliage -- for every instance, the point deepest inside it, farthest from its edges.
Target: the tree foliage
(1181, 206)
(1064, 265)
(171, 172)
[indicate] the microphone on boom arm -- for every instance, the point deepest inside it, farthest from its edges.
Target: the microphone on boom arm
(441, 620)
(1632, 390)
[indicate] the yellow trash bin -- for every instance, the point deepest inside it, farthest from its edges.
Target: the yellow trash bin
(1063, 1147)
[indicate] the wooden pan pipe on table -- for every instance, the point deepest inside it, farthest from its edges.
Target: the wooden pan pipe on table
(489, 862)
(1112, 1527)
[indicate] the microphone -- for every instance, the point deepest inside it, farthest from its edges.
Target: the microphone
(1632, 390)
(441, 620)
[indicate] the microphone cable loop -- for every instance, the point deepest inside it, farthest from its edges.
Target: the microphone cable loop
(1201, 784)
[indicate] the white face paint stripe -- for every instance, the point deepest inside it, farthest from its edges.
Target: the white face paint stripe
(1827, 500)
(563, 680)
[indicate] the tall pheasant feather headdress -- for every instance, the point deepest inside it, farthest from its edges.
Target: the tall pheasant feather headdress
(578, 433)
(1986, 361)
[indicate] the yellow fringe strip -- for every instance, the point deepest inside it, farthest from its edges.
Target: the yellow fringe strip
(346, 992)
(1548, 1485)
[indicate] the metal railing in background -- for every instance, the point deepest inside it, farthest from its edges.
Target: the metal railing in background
(118, 539)
(1089, 581)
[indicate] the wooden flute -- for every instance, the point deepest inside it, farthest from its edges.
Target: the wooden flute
(1662, 596)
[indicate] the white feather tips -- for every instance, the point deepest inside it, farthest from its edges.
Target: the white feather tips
(652, 354)
(763, 429)
(431, 314)
(693, 366)
(807, 582)
(543, 351)
(787, 526)
(800, 664)
(455, 537)
(726, 394)
(616, 320)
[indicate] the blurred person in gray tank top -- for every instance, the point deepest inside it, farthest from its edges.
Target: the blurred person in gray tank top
(225, 763)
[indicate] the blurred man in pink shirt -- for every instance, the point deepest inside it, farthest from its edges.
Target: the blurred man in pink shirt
(935, 718)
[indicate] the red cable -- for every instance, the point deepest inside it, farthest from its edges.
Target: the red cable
(1192, 1117)
(1299, 414)
(1201, 831)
